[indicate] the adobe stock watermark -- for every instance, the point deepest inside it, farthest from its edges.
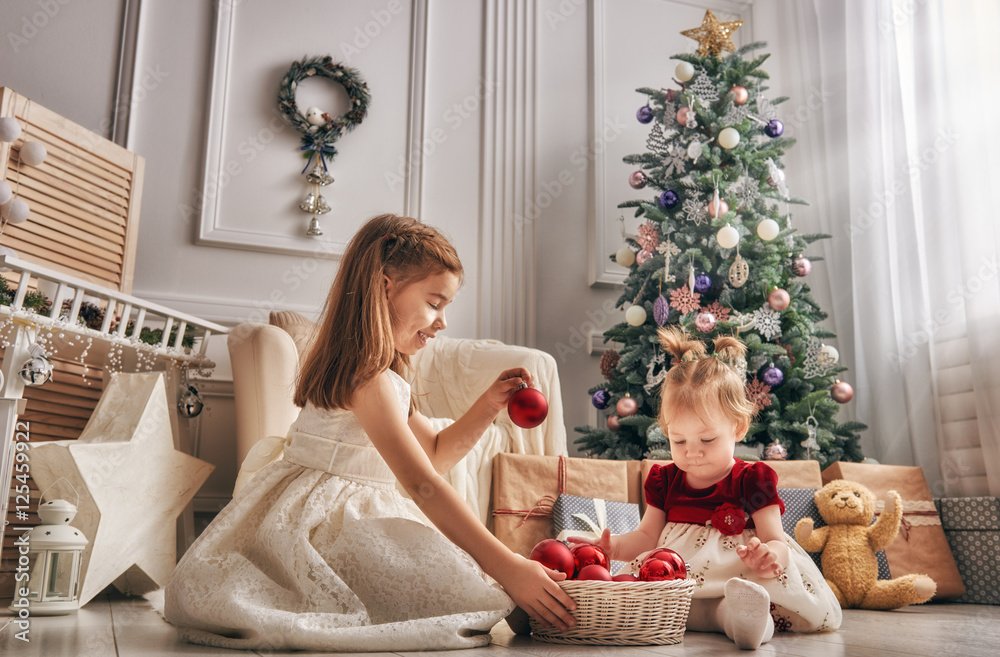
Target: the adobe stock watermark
(863, 220)
(555, 186)
(814, 102)
(579, 336)
(248, 149)
(365, 34)
(956, 298)
(454, 117)
(562, 12)
(32, 25)
(903, 12)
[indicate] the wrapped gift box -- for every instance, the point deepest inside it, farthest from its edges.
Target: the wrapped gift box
(921, 546)
(586, 516)
(526, 487)
(972, 527)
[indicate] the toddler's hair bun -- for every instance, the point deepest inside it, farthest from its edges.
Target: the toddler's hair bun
(679, 344)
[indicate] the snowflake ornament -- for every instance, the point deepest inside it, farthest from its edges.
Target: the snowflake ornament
(765, 109)
(649, 236)
(684, 300)
(673, 161)
(768, 322)
(745, 189)
(817, 362)
(720, 312)
(704, 89)
(736, 115)
(695, 211)
(758, 393)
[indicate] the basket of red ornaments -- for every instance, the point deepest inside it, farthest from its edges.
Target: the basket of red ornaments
(620, 610)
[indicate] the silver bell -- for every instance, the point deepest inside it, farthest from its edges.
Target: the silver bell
(190, 403)
(319, 177)
(309, 204)
(314, 230)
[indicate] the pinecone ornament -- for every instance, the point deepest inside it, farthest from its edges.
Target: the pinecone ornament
(609, 361)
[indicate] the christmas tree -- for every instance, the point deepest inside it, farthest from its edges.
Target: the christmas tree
(717, 254)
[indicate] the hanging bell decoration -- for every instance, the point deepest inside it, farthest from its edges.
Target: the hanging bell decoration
(37, 369)
(319, 177)
(308, 204)
(190, 403)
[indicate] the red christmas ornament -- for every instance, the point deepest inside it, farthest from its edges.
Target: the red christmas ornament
(625, 577)
(658, 570)
(555, 555)
(594, 572)
(527, 408)
(627, 406)
(842, 392)
(585, 554)
(614, 423)
(671, 557)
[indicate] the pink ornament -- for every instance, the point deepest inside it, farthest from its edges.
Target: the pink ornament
(704, 322)
(801, 266)
(642, 256)
(627, 406)
(842, 392)
(637, 180)
(614, 422)
(778, 299)
(682, 115)
(717, 208)
(740, 95)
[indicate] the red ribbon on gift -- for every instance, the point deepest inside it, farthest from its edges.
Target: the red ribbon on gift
(543, 507)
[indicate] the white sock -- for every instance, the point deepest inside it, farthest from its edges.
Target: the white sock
(746, 614)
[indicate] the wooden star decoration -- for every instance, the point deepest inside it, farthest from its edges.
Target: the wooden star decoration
(132, 485)
(714, 35)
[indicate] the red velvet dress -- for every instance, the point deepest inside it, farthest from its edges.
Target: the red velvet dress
(705, 525)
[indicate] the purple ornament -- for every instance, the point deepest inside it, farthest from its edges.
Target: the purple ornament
(644, 115)
(669, 199)
(661, 310)
(774, 128)
(600, 399)
(637, 180)
(702, 283)
(773, 376)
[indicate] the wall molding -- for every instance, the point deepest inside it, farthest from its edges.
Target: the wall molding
(507, 238)
(211, 232)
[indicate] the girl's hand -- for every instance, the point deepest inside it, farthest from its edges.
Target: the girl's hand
(759, 558)
(533, 587)
(498, 394)
(605, 542)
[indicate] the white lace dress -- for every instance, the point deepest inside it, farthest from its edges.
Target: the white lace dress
(321, 552)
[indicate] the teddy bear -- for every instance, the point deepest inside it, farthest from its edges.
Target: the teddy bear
(849, 543)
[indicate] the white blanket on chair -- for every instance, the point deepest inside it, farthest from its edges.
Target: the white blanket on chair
(450, 374)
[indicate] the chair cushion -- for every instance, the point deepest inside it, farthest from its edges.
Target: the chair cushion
(300, 327)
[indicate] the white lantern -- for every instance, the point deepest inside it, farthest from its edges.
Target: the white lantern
(54, 554)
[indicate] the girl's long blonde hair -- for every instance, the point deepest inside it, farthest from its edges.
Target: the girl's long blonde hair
(354, 342)
(705, 384)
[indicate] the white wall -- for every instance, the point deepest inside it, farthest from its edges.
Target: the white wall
(505, 111)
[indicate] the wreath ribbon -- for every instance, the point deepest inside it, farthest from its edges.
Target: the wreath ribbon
(323, 150)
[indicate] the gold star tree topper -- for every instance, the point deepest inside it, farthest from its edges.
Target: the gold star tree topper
(713, 36)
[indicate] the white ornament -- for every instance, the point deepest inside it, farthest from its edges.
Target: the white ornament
(768, 229)
(727, 237)
(656, 372)
(15, 211)
(776, 177)
(818, 361)
(768, 322)
(704, 89)
(684, 71)
(32, 153)
(739, 272)
(10, 129)
(625, 256)
(5, 192)
(831, 352)
(729, 138)
(635, 315)
(695, 149)
(695, 211)
(314, 115)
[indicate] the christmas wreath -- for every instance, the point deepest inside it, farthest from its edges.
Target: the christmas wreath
(321, 130)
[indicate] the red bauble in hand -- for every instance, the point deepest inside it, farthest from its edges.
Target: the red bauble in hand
(594, 572)
(555, 555)
(527, 408)
(585, 554)
(672, 559)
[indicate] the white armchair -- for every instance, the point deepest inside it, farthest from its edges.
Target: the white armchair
(447, 377)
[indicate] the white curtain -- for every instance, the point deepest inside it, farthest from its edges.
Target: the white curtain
(902, 167)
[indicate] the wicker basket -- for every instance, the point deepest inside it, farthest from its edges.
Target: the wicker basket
(624, 613)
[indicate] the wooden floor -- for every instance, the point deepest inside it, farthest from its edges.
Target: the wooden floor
(112, 626)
